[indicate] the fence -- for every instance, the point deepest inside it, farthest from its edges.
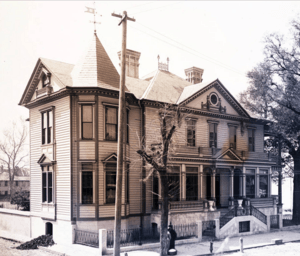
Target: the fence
(87, 238)
(274, 221)
(139, 236)
(287, 220)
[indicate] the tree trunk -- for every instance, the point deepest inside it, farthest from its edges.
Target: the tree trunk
(10, 188)
(296, 201)
(164, 214)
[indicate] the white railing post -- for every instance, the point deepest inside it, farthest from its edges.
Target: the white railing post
(199, 224)
(102, 241)
(217, 229)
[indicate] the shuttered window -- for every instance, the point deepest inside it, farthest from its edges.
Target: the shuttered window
(47, 184)
(87, 122)
(47, 127)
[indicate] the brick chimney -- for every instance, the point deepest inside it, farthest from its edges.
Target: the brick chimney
(194, 75)
(132, 63)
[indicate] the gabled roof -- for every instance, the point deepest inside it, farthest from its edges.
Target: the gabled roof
(60, 71)
(112, 158)
(44, 160)
(191, 93)
(165, 87)
(136, 86)
(95, 68)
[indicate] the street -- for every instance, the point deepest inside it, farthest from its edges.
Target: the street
(8, 248)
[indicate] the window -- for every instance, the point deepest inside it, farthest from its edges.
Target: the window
(17, 184)
(111, 123)
(250, 183)
(111, 180)
(244, 226)
(213, 135)
(87, 183)
(45, 81)
(232, 137)
(251, 139)
(5, 183)
(87, 122)
(263, 183)
(47, 184)
(6, 193)
(191, 183)
(174, 184)
(47, 127)
(191, 133)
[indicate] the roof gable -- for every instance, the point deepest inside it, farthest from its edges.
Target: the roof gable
(228, 154)
(112, 158)
(60, 77)
(44, 159)
(199, 96)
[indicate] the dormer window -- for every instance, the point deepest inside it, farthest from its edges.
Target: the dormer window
(45, 80)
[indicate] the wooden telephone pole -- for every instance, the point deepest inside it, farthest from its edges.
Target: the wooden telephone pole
(121, 130)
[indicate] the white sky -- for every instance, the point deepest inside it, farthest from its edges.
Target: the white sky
(224, 38)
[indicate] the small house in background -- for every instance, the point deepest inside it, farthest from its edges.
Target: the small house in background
(217, 165)
(21, 182)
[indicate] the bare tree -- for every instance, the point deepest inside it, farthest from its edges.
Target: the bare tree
(156, 155)
(12, 153)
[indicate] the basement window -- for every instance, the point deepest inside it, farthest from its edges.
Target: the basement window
(244, 226)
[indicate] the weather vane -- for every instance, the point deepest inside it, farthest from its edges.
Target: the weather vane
(93, 11)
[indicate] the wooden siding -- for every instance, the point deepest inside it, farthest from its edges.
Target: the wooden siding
(86, 150)
(87, 211)
(74, 157)
(62, 167)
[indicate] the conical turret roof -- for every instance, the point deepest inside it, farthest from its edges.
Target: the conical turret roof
(95, 68)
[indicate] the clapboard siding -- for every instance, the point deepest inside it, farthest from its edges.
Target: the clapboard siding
(87, 150)
(87, 211)
(74, 156)
(62, 156)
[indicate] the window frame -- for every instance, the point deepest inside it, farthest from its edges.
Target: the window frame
(215, 132)
(190, 172)
(263, 173)
(251, 173)
(176, 172)
(192, 128)
(110, 169)
(106, 123)
(82, 122)
(83, 171)
(234, 127)
(251, 146)
(46, 170)
(49, 130)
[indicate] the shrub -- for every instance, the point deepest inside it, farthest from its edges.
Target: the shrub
(21, 199)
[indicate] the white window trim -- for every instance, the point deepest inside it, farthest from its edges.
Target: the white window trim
(94, 183)
(94, 119)
(42, 111)
(53, 184)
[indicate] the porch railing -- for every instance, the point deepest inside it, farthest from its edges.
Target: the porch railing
(183, 205)
(258, 214)
(87, 238)
(227, 217)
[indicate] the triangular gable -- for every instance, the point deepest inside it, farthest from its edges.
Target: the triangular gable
(111, 158)
(227, 154)
(59, 73)
(196, 96)
(44, 160)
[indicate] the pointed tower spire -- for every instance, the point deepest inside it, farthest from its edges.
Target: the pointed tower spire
(95, 68)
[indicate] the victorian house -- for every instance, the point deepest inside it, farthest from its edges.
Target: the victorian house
(219, 154)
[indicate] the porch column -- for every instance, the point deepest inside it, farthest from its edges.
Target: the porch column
(200, 180)
(257, 182)
(183, 184)
(213, 184)
(231, 182)
(241, 185)
(244, 181)
(269, 182)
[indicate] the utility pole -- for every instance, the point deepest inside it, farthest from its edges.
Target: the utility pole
(121, 130)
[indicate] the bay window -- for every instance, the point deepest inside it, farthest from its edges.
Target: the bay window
(47, 184)
(110, 182)
(87, 122)
(87, 183)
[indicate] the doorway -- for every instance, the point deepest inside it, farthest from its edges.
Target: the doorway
(236, 183)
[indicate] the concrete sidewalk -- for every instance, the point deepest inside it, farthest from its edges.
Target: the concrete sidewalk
(201, 248)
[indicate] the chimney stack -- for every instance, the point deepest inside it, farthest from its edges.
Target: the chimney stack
(132, 63)
(194, 75)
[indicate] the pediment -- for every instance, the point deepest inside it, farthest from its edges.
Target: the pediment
(228, 154)
(44, 160)
(212, 97)
(112, 158)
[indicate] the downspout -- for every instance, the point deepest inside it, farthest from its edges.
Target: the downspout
(143, 139)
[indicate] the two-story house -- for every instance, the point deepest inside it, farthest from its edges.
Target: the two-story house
(73, 110)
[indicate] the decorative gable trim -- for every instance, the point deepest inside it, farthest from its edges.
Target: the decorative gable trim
(229, 155)
(44, 160)
(225, 93)
(111, 158)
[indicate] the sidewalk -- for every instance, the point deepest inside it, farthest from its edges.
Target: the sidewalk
(193, 249)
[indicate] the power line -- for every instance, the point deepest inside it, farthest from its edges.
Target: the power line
(202, 57)
(155, 8)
